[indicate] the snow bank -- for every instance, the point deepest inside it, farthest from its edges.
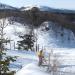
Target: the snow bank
(31, 69)
(23, 58)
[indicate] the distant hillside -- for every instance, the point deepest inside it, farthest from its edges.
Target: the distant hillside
(48, 9)
(36, 15)
(4, 6)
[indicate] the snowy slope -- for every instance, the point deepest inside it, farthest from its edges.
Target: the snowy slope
(55, 37)
(10, 31)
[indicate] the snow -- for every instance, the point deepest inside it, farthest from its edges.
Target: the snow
(23, 58)
(31, 69)
(66, 59)
(27, 61)
(53, 39)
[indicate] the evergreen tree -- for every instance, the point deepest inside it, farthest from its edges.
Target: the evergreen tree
(27, 42)
(4, 60)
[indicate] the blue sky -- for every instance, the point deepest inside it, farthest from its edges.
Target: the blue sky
(65, 4)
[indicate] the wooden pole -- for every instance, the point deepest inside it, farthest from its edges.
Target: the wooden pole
(14, 45)
(10, 45)
(38, 47)
(49, 66)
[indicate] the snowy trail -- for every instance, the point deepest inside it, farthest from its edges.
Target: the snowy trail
(23, 58)
(31, 69)
(28, 60)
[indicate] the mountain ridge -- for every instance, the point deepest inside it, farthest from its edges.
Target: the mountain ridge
(5, 6)
(41, 8)
(48, 9)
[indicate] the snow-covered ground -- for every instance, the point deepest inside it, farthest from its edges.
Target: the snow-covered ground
(55, 38)
(23, 58)
(27, 62)
(31, 69)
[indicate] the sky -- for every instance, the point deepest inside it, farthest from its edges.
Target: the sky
(64, 4)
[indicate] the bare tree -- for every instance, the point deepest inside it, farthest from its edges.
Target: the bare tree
(53, 63)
